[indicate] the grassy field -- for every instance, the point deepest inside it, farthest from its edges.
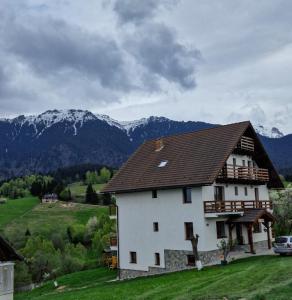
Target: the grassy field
(257, 278)
(78, 190)
(46, 219)
(15, 209)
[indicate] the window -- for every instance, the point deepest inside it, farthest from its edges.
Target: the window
(234, 161)
(154, 194)
(218, 193)
(191, 260)
(257, 227)
(133, 257)
(163, 163)
(243, 163)
(220, 226)
(187, 195)
(236, 190)
(245, 191)
(189, 233)
(155, 227)
(157, 259)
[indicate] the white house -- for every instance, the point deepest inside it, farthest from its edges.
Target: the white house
(212, 182)
(7, 255)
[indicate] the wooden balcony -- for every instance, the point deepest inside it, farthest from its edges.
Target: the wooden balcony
(241, 174)
(234, 206)
(113, 241)
(112, 211)
(246, 144)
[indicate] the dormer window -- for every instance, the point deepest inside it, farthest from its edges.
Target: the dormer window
(163, 163)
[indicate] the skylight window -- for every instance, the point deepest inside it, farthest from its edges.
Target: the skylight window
(163, 163)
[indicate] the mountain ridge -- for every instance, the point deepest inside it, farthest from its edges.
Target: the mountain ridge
(61, 138)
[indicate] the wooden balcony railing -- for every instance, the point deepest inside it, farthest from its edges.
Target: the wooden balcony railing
(244, 173)
(234, 206)
(246, 143)
(113, 241)
(112, 210)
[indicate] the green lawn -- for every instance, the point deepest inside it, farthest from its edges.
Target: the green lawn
(46, 219)
(15, 209)
(257, 278)
(78, 190)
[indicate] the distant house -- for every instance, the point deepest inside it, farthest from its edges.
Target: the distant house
(7, 256)
(50, 198)
(212, 182)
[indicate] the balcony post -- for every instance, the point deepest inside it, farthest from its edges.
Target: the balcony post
(250, 238)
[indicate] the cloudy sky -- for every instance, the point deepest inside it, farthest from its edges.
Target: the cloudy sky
(216, 61)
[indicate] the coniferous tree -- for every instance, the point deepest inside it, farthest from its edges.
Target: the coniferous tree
(91, 196)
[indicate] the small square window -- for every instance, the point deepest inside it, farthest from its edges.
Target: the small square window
(154, 194)
(187, 195)
(236, 190)
(245, 191)
(157, 259)
(133, 257)
(163, 163)
(191, 260)
(220, 226)
(155, 227)
(189, 232)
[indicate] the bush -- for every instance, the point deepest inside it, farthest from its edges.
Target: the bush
(22, 275)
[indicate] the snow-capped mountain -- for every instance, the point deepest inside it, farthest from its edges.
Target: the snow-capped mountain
(268, 132)
(60, 138)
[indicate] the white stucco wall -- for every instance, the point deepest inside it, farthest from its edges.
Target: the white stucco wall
(6, 280)
(138, 211)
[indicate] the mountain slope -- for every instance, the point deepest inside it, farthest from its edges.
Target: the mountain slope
(57, 139)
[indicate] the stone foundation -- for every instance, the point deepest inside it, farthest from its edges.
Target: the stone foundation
(176, 260)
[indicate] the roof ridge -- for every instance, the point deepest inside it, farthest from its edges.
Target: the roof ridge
(198, 131)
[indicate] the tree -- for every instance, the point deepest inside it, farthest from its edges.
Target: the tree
(282, 202)
(36, 188)
(195, 241)
(91, 196)
(105, 175)
(65, 195)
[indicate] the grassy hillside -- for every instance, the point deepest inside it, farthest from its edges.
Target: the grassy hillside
(78, 190)
(263, 277)
(15, 209)
(45, 219)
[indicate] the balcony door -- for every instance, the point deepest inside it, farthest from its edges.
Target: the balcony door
(219, 197)
(219, 193)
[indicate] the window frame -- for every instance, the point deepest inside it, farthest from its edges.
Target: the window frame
(245, 191)
(133, 257)
(187, 195)
(155, 226)
(221, 234)
(157, 259)
(191, 260)
(188, 230)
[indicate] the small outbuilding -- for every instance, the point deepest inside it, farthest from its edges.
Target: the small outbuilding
(7, 256)
(50, 198)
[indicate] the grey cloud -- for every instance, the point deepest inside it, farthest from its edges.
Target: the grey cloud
(155, 47)
(137, 11)
(53, 46)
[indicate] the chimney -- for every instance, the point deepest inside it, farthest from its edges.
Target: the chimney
(159, 145)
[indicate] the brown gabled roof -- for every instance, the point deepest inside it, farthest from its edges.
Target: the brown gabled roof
(194, 159)
(7, 253)
(252, 216)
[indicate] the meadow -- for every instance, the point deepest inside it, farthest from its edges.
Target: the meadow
(255, 278)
